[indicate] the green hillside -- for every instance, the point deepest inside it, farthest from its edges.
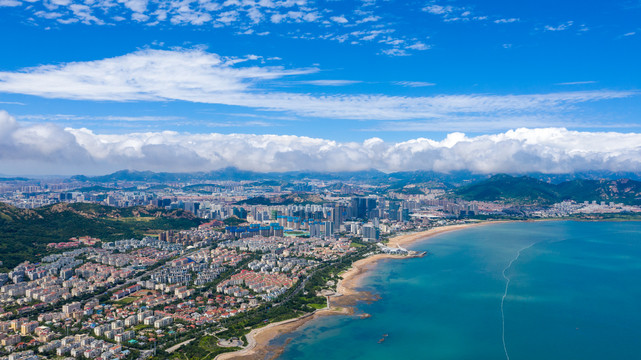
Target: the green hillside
(527, 190)
(24, 234)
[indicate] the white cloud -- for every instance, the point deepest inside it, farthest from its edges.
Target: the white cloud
(506, 21)
(370, 18)
(418, 46)
(248, 17)
(84, 14)
(109, 118)
(485, 123)
(560, 27)
(577, 83)
(414, 83)
(329, 82)
(339, 19)
(152, 12)
(450, 13)
(277, 18)
(395, 52)
(49, 149)
(139, 6)
(143, 75)
(201, 77)
(438, 9)
(10, 3)
(67, 21)
(226, 18)
(48, 15)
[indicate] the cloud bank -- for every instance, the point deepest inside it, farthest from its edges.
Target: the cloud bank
(50, 149)
(194, 75)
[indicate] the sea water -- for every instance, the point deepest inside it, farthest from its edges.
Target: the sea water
(515, 291)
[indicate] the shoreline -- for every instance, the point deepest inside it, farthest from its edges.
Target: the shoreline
(351, 278)
(340, 303)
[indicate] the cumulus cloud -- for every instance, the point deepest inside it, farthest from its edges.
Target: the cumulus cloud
(23, 148)
(202, 77)
(49, 149)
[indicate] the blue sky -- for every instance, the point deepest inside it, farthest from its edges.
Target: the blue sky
(336, 72)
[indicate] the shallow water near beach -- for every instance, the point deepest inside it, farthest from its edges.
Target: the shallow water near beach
(542, 290)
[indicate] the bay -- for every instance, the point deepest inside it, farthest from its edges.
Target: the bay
(530, 290)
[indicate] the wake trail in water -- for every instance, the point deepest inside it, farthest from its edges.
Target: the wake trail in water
(507, 285)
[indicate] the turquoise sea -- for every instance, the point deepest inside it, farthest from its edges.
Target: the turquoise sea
(543, 290)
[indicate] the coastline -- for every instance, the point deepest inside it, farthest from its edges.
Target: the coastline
(352, 277)
(341, 303)
(258, 339)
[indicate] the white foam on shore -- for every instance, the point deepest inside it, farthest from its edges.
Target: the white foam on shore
(507, 285)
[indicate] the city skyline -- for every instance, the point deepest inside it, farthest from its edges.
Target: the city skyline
(97, 86)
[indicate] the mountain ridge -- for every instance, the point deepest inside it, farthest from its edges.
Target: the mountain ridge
(231, 173)
(524, 189)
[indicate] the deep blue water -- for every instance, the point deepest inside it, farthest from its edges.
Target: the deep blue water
(574, 293)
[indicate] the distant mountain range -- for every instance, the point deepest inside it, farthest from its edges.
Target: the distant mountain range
(528, 190)
(369, 176)
(13, 179)
(227, 174)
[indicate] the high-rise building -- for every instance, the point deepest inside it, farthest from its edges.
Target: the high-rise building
(405, 214)
(392, 212)
(361, 207)
(314, 229)
(340, 215)
(369, 232)
(328, 228)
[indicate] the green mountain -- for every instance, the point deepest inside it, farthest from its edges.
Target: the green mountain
(24, 233)
(527, 190)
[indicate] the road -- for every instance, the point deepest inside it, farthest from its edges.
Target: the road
(175, 347)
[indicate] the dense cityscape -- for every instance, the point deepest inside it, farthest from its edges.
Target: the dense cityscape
(149, 296)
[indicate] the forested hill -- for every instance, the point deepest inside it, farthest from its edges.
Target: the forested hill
(24, 233)
(527, 190)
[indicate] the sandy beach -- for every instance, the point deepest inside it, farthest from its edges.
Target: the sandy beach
(341, 303)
